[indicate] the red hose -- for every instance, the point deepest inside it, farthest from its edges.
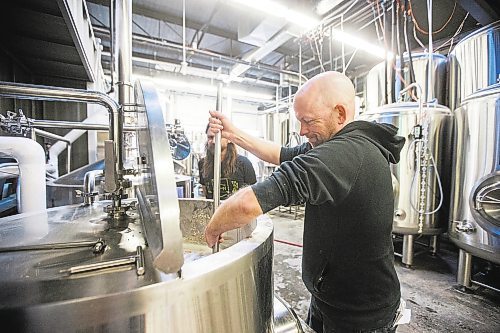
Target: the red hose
(288, 243)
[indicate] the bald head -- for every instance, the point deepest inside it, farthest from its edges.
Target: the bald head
(330, 88)
(326, 100)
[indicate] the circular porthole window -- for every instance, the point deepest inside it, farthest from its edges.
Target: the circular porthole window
(485, 203)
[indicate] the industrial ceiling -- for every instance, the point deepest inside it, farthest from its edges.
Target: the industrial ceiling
(229, 41)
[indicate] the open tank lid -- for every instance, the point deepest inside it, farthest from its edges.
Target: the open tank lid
(157, 192)
(490, 90)
(490, 27)
(403, 107)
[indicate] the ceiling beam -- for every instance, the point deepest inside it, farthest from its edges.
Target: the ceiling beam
(481, 10)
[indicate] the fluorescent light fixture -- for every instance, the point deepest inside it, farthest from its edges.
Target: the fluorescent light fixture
(360, 44)
(194, 87)
(326, 5)
(276, 9)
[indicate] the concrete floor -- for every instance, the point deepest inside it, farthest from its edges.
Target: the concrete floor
(429, 287)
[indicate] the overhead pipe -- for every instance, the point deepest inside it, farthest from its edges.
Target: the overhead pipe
(184, 62)
(30, 156)
(161, 42)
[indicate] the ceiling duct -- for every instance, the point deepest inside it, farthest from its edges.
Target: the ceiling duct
(267, 34)
(255, 31)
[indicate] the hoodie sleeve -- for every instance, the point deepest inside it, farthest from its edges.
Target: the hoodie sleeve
(288, 153)
(324, 174)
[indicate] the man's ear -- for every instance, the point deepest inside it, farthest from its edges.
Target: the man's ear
(342, 114)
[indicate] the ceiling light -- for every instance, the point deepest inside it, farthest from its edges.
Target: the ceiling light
(360, 44)
(276, 9)
(325, 6)
(207, 89)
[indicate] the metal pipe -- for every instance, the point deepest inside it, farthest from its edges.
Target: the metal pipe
(47, 93)
(101, 265)
(68, 124)
(407, 250)
(76, 125)
(429, 62)
(300, 64)
(111, 46)
(49, 135)
(217, 159)
(386, 61)
(139, 263)
(52, 246)
(123, 52)
(464, 269)
(89, 191)
(184, 62)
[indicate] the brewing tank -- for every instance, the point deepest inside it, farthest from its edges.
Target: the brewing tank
(230, 291)
(473, 63)
(82, 268)
(412, 180)
(375, 87)
(475, 202)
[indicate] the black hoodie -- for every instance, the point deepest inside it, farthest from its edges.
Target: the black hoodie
(348, 257)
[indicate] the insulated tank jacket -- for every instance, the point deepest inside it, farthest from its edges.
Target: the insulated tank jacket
(348, 256)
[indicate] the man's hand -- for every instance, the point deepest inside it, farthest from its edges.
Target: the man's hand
(219, 122)
(212, 237)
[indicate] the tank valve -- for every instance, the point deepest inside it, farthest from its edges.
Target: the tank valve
(464, 226)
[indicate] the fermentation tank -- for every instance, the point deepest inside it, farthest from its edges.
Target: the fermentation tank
(474, 63)
(81, 269)
(421, 178)
(375, 87)
(475, 215)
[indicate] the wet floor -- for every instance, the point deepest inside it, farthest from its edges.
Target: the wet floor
(429, 286)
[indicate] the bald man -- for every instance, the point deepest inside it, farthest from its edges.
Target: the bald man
(343, 176)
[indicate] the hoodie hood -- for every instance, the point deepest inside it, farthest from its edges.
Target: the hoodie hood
(383, 136)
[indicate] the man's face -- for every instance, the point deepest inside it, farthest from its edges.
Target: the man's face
(317, 122)
(211, 143)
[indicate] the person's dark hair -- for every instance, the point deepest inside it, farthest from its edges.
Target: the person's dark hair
(228, 164)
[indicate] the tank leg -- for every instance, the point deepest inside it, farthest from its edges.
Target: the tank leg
(407, 250)
(464, 269)
(433, 244)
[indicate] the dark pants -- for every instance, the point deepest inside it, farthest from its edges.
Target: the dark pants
(320, 324)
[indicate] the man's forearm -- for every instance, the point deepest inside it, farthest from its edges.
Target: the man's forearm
(237, 211)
